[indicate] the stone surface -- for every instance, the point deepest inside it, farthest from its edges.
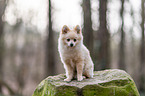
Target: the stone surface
(111, 82)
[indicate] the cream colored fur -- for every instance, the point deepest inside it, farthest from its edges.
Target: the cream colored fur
(76, 58)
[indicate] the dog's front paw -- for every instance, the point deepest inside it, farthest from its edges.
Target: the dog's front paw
(67, 80)
(80, 78)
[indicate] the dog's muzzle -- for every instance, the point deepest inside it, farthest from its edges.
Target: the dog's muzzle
(71, 45)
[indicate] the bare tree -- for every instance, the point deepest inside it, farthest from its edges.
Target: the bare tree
(122, 40)
(50, 54)
(142, 52)
(2, 9)
(87, 30)
(103, 38)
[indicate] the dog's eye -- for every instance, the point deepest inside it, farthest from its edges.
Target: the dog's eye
(68, 39)
(75, 40)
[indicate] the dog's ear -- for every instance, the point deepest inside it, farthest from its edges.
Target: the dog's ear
(77, 29)
(65, 29)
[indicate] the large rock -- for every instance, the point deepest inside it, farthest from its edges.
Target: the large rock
(105, 83)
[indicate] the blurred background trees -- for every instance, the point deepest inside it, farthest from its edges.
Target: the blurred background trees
(113, 32)
(103, 38)
(142, 51)
(122, 39)
(50, 56)
(2, 10)
(87, 29)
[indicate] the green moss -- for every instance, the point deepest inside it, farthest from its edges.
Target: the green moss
(45, 88)
(97, 90)
(94, 90)
(115, 83)
(66, 91)
(39, 89)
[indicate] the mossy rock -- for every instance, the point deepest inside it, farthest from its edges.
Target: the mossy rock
(111, 82)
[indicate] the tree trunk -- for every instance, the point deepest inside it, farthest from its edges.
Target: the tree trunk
(142, 53)
(122, 41)
(50, 53)
(2, 9)
(103, 39)
(87, 29)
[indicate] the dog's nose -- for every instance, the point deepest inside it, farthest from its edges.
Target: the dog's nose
(71, 45)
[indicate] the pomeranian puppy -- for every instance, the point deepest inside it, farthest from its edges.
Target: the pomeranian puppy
(74, 55)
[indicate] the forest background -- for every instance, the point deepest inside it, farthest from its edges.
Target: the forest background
(113, 32)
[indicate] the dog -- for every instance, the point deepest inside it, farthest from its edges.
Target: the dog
(74, 54)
